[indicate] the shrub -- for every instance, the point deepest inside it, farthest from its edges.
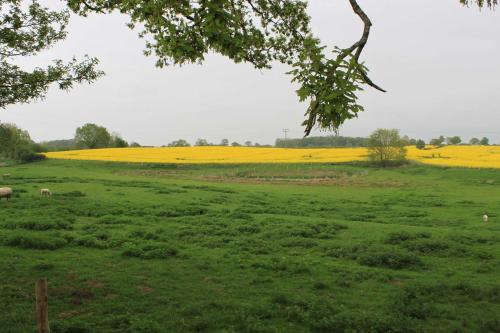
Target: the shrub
(399, 237)
(390, 259)
(427, 246)
(72, 194)
(404, 236)
(190, 211)
(27, 155)
(413, 302)
(32, 224)
(149, 252)
(111, 219)
(91, 241)
(147, 235)
(40, 242)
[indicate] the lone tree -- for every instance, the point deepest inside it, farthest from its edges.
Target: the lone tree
(92, 136)
(485, 141)
(259, 32)
(453, 140)
(420, 144)
(202, 142)
(179, 143)
(474, 142)
(386, 147)
(437, 141)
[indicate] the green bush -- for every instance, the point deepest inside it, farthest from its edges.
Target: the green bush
(413, 302)
(390, 259)
(91, 241)
(41, 224)
(149, 251)
(404, 236)
(27, 154)
(427, 247)
(72, 194)
(399, 237)
(40, 242)
(111, 219)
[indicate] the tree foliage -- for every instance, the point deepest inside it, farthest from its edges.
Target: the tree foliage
(453, 140)
(117, 141)
(16, 144)
(259, 32)
(386, 147)
(322, 141)
(202, 143)
(474, 141)
(179, 143)
(11, 139)
(255, 31)
(26, 30)
(480, 3)
(437, 141)
(420, 144)
(92, 136)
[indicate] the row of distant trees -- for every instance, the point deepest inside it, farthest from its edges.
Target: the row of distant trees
(205, 143)
(89, 136)
(456, 140)
(343, 141)
(16, 143)
(322, 141)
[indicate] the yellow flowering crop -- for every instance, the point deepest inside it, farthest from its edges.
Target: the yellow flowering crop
(465, 156)
(462, 156)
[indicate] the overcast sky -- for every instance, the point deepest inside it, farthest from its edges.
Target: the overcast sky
(438, 60)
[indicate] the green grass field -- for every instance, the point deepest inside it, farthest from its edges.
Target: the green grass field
(251, 248)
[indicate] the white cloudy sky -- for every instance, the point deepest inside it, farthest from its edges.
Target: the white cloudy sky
(438, 61)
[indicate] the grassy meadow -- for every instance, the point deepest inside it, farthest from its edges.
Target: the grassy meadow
(251, 248)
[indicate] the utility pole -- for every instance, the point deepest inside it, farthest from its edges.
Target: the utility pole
(286, 130)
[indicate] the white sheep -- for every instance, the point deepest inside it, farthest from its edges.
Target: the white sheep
(6, 175)
(5, 192)
(485, 217)
(45, 192)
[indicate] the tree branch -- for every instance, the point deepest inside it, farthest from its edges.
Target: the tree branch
(360, 44)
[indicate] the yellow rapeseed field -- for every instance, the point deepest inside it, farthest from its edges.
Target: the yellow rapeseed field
(464, 156)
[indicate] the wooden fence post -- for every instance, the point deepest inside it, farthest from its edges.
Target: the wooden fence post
(42, 310)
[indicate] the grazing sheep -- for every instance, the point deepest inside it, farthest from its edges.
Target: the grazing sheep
(45, 192)
(5, 192)
(6, 175)
(485, 217)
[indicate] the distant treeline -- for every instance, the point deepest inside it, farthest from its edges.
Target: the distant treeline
(322, 141)
(57, 145)
(89, 136)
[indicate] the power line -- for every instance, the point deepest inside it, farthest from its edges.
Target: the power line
(286, 130)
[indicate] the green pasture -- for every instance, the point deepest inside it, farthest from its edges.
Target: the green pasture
(251, 248)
